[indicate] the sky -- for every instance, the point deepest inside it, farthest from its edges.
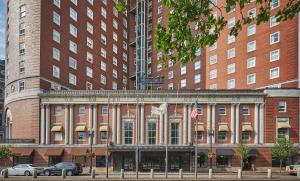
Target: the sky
(2, 29)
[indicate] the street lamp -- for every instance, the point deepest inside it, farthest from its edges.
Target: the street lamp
(211, 133)
(91, 136)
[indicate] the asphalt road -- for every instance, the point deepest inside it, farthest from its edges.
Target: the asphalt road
(161, 176)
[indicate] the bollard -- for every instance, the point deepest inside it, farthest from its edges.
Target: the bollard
(63, 173)
(5, 173)
(34, 174)
(93, 173)
(298, 172)
(180, 174)
(239, 173)
(269, 174)
(151, 174)
(210, 173)
(122, 174)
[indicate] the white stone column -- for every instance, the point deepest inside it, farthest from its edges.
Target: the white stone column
(261, 123)
(95, 123)
(43, 124)
(47, 124)
(232, 124)
(90, 121)
(185, 124)
(114, 124)
(208, 121)
(118, 124)
(137, 124)
(256, 124)
(71, 125)
(189, 130)
(166, 121)
(237, 123)
(161, 128)
(213, 121)
(142, 125)
(66, 124)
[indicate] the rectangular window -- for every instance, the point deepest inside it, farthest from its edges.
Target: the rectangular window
(103, 135)
(274, 38)
(81, 136)
(56, 3)
(152, 133)
(245, 110)
(231, 68)
(251, 30)
(114, 85)
(56, 18)
(251, 62)
(55, 71)
(73, 30)
(103, 53)
(115, 73)
(199, 135)
(81, 110)
(73, 14)
(230, 39)
(170, 86)
(197, 65)
(89, 57)
(231, 84)
(124, 68)
(72, 63)
(174, 133)
(89, 43)
(22, 29)
(274, 73)
(275, 4)
(103, 39)
(246, 135)
(89, 72)
(21, 68)
(72, 47)
(89, 28)
(222, 135)
(274, 55)
(183, 83)
(22, 11)
(128, 133)
(72, 79)
(213, 86)
(231, 53)
(213, 59)
(251, 78)
(103, 26)
(104, 110)
(252, 13)
(222, 110)
(103, 66)
(273, 21)
(103, 79)
(115, 24)
(183, 70)
(170, 75)
(58, 110)
(282, 106)
(197, 78)
(55, 54)
(22, 48)
(115, 49)
(58, 136)
(90, 13)
(282, 133)
(103, 12)
(231, 23)
(251, 46)
(74, 2)
(56, 36)
(21, 85)
(213, 74)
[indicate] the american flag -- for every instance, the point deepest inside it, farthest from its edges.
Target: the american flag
(194, 112)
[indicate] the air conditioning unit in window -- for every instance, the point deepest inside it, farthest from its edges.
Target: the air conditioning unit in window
(55, 87)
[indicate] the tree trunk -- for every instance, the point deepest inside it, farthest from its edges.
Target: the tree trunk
(280, 165)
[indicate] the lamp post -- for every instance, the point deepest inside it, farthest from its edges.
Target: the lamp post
(91, 136)
(210, 155)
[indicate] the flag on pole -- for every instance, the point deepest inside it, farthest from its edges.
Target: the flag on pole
(194, 112)
(161, 109)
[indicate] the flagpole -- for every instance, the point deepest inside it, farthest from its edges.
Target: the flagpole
(107, 137)
(196, 148)
(137, 139)
(167, 136)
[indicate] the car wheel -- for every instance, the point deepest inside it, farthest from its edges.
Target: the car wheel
(47, 173)
(69, 173)
(27, 173)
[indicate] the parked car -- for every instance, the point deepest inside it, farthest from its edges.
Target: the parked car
(71, 169)
(292, 169)
(23, 169)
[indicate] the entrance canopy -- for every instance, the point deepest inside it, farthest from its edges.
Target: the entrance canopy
(253, 152)
(225, 152)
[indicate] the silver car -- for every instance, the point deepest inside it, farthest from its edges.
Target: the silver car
(23, 169)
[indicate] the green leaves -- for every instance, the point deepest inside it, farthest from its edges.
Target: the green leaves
(283, 149)
(193, 24)
(4, 152)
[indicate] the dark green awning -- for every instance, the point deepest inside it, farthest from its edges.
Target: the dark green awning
(225, 152)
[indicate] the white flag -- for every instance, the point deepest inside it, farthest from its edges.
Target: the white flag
(158, 110)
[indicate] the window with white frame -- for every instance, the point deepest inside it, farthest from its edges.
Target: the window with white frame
(115, 24)
(103, 53)
(55, 54)
(103, 25)
(252, 13)
(221, 135)
(124, 79)
(58, 110)
(170, 75)
(183, 70)
(115, 73)
(251, 30)
(88, 86)
(89, 57)
(251, 78)
(104, 2)
(115, 49)
(274, 73)
(56, 18)
(274, 55)
(245, 110)
(115, 61)
(170, 86)
(104, 110)
(22, 11)
(56, 36)
(151, 132)
(125, 34)
(246, 135)
(22, 48)
(213, 46)
(81, 136)
(198, 52)
(115, 12)
(72, 46)
(159, 9)
(89, 28)
(55, 71)
(213, 59)
(21, 85)
(73, 30)
(89, 43)
(158, 67)
(251, 46)
(222, 110)
(170, 63)
(115, 36)
(128, 132)
(73, 14)
(213, 86)
(231, 84)
(274, 4)
(251, 62)
(81, 110)
(282, 106)
(103, 39)
(230, 39)
(89, 72)
(72, 79)
(231, 68)
(274, 38)
(58, 136)
(114, 85)
(183, 83)
(213, 74)
(90, 13)
(231, 23)
(22, 29)
(175, 133)
(91, 2)
(72, 63)
(103, 12)
(274, 21)
(56, 3)
(103, 66)
(74, 2)
(103, 80)
(124, 56)
(197, 78)
(22, 67)
(125, 68)
(197, 65)
(231, 53)
(125, 22)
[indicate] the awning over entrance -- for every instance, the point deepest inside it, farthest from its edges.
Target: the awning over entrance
(22, 151)
(56, 129)
(283, 125)
(203, 151)
(103, 128)
(253, 152)
(223, 127)
(199, 128)
(79, 151)
(225, 152)
(80, 129)
(151, 148)
(54, 152)
(247, 127)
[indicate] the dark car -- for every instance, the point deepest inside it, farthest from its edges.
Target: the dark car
(71, 169)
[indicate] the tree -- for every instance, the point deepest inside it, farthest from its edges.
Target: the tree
(242, 152)
(4, 152)
(283, 150)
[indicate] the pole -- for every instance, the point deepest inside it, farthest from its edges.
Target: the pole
(211, 132)
(196, 150)
(91, 134)
(167, 138)
(137, 140)
(107, 136)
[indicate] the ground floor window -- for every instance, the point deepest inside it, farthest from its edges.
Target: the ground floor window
(222, 135)
(202, 160)
(100, 161)
(246, 135)
(103, 135)
(199, 135)
(22, 160)
(283, 133)
(224, 161)
(52, 160)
